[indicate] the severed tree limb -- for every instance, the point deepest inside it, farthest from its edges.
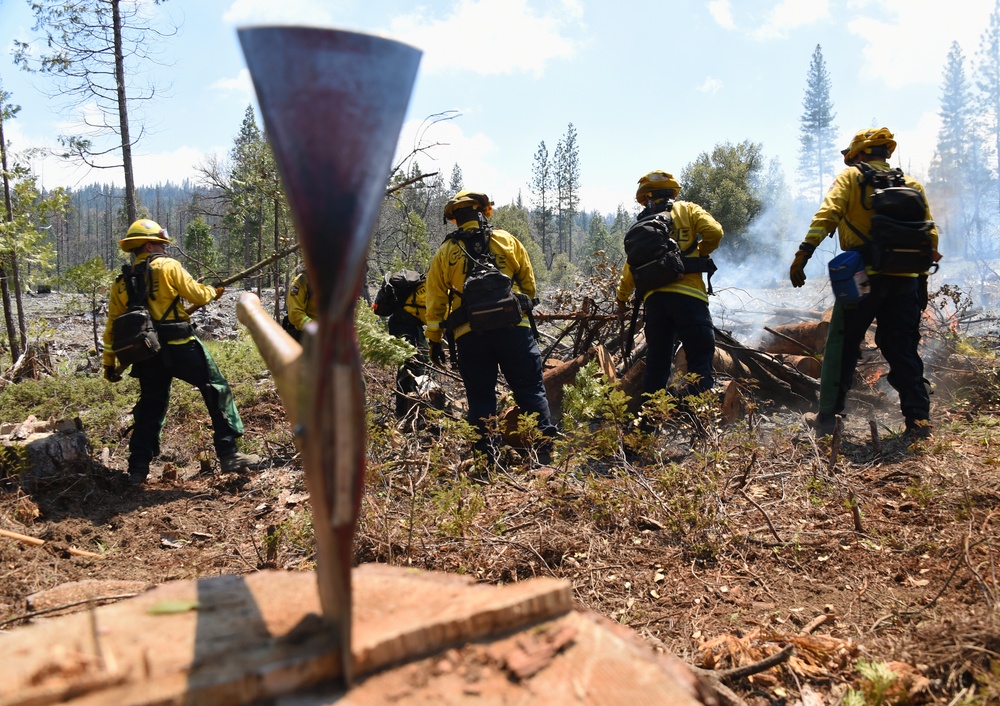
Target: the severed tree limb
(55, 609)
(800, 344)
(249, 271)
(34, 541)
(814, 623)
(767, 518)
(852, 501)
(728, 696)
(748, 669)
(838, 435)
(876, 442)
(408, 182)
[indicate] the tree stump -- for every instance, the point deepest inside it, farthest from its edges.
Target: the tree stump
(38, 451)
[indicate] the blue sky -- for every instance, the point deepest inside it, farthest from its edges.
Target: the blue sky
(646, 85)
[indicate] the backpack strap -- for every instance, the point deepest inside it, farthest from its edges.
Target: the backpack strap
(144, 270)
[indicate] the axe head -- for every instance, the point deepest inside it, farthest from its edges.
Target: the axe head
(333, 104)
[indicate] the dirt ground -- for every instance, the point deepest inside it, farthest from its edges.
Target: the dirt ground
(722, 546)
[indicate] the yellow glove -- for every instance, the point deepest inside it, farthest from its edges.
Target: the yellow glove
(797, 272)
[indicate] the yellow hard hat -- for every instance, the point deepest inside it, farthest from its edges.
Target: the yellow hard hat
(655, 181)
(468, 199)
(141, 232)
(864, 140)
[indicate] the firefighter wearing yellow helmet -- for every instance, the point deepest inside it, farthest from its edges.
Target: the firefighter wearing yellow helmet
(182, 355)
(489, 336)
(678, 310)
(895, 299)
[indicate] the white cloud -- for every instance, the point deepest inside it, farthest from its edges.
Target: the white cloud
(312, 12)
(175, 165)
(791, 14)
(490, 37)
(710, 85)
(476, 155)
(446, 145)
(722, 13)
(907, 43)
(241, 85)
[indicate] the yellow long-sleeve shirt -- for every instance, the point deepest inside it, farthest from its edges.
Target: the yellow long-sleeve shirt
(169, 280)
(843, 202)
(446, 278)
(299, 303)
(692, 224)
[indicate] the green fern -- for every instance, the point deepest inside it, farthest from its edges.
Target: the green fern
(377, 345)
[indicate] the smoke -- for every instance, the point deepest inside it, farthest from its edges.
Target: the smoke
(752, 289)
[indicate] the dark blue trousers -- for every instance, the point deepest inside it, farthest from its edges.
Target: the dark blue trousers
(671, 317)
(408, 327)
(481, 356)
(895, 305)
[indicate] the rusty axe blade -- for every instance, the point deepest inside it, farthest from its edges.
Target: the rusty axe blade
(333, 104)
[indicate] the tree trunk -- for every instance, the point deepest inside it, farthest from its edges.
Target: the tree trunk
(277, 263)
(260, 246)
(123, 114)
(16, 281)
(12, 336)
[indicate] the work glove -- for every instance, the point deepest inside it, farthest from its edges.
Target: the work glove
(622, 307)
(436, 351)
(797, 272)
(218, 291)
(111, 373)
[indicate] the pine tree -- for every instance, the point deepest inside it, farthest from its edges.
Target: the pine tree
(541, 189)
(567, 178)
(816, 131)
(457, 182)
(988, 83)
(949, 168)
(199, 246)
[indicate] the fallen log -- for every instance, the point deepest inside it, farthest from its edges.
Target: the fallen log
(804, 363)
(735, 403)
(797, 339)
(787, 311)
(555, 379)
(772, 374)
(574, 316)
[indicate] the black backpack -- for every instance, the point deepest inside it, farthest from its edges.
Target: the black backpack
(396, 288)
(488, 298)
(133, 334)
(899, 241)
(653, 256)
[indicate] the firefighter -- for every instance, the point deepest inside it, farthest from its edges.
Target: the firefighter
(407, 322)
(299, 306)
(482, 354)
(894, 301)
(182, 355)
(679, 310)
